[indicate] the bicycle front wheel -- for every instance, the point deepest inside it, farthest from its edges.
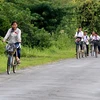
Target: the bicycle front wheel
(14, 65)
(92, 50)
(9, 64)
(78, 54)
(96, 51)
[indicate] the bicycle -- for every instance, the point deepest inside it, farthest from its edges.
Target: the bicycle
(11, 62)
(84, 50)
(92, 48)
(78, 50)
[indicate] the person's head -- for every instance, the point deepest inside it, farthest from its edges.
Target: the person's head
(80, 29)
(96, 33)
(14, 25)
(85, 32)
(93, 33)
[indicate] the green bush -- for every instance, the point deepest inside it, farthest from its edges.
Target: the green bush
(2, 46)
(41, 39)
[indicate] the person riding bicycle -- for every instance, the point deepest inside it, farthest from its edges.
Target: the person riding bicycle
(79, 37)
(13, 35)
(86, 41)
(95, 39)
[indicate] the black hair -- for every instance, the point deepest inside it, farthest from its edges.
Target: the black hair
(92, 31)
(79, 27)
(14, 22)
(85, 30)
(96, 33)
(12, 30)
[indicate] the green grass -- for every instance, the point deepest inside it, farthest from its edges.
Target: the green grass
(33, 57)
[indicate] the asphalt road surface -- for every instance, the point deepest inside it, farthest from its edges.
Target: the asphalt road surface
(70, 79)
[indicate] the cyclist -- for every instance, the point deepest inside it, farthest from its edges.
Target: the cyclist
(96, 39)
(79, 37)
(14, 36)
(86, 40)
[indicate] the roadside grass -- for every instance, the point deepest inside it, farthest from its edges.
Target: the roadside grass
(34, 57)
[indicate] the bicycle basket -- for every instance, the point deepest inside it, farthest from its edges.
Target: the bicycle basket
(78, 43)
(10, 48)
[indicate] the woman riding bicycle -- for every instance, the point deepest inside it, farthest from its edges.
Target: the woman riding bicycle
(14, 36)
(79, 37)
(95, 39)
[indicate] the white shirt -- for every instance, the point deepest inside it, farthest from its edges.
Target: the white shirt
(86, 39)
(96, 37)
(79, 34)
(14, 36)
(91, 37)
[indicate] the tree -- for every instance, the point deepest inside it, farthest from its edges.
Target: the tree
(47, 16)
(87, 15)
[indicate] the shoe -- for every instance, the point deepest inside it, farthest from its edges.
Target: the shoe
(98, 52)
(87, 54)
(18, 61)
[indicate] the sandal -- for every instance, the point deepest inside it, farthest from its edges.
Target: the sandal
(18, 61)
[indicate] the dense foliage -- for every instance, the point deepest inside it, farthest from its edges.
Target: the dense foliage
(43, 21)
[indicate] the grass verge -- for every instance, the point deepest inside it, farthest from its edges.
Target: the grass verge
(39, 58)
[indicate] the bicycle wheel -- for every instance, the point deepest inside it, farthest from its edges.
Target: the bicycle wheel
(85, 50)
(76, 51)
(78, 55)
(14, 65)
(96, 51)
(92, 50)
(9, 64)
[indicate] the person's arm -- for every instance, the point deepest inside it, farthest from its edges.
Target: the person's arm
(91, 38)
(75, 35)
(98, 37)
(82, 34)
(88, 38)
(7, 35)
(19, 36)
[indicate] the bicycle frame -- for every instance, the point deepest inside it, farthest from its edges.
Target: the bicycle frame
(78, 51)
(84, 49)
(92, 49)
(96, 51)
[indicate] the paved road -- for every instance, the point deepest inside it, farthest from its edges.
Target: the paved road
(64, 80)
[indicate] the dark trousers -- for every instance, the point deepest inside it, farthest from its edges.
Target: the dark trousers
(18, 53)
(18, 50)
(87, 47)
(81, 45)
